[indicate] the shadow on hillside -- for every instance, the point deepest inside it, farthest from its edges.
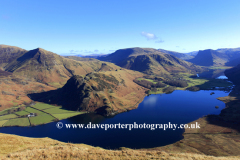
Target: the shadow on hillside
(50, 97)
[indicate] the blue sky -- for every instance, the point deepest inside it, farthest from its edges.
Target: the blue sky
(103, 26)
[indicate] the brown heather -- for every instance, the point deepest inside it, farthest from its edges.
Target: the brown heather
(16, 147)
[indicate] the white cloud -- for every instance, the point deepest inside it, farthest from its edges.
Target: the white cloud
(149, 36)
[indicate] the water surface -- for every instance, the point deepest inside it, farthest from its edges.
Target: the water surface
(179, 107)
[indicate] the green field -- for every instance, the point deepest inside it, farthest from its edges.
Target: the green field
(42, 106)
(41, 119)
(45, 114)
(17, 122)
(150, 80)
(22, 113)
(2, 122)
(66, 115)
(32, 110)
(9, 116)
(57, 110)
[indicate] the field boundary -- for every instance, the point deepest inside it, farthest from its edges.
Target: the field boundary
(44, 112)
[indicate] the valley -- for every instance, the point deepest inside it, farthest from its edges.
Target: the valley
(72, 89)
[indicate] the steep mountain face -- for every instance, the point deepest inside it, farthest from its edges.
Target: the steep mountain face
(177, 54)
(49, 68)
(218, 57)
(149, 61)
(9, 53)
(233, 62)
(233, 74)
(106, 93)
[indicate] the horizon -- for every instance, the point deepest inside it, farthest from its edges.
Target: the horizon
(102, 27)
(96, 54)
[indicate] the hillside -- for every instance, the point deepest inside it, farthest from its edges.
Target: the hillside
(14, 89)
(149, 61)
(47, 67)
(17, 147)
(218, 57)
(107, 93)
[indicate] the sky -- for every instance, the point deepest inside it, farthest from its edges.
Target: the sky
(103, 26)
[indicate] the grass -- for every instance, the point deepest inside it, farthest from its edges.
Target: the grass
(2, 122)
(219, 67)
(18, 147)
(57, 110)
(150, 80)
(17, 122)
(42, 106)
(32, 110)
(66, 115)
(9, 116)
(22, 113)
(4, 112)
(41, 119)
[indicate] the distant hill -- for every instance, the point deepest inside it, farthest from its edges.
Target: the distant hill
(96, 56)
(193, 53)
(183, 56)
(218, 57)
(149, 61)
(46, 67)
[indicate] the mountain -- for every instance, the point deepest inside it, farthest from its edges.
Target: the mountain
(9, 53)
(233, 74)
(177, 54)
(46, 67)
(218, 57)
(149, 61)
(106, 93)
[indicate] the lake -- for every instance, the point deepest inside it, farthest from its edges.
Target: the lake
(179, 107)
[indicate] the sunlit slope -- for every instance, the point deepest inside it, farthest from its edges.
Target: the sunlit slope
(150, 61)
(50, 68)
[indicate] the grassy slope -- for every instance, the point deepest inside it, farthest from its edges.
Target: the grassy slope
(16, 147)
